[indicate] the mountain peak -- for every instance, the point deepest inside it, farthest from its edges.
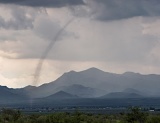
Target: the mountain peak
(70, 72)
(61, 95)
(29, 87)
(93, 70)
(130, 73)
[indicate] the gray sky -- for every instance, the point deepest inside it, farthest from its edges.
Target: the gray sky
(113, 35)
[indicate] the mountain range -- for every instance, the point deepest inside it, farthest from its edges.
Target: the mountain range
(90, 83)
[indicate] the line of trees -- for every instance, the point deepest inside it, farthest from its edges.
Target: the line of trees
(135, 115)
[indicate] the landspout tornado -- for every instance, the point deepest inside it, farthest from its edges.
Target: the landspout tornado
(46, 52)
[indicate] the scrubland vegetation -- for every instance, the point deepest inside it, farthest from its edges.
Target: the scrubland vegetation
(135, 115)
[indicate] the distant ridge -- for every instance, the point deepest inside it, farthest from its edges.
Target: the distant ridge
(7, 95)
(122, 95)
(61, 95)
(131, 90)
(93, 83)
(82, 91)
(97, 79)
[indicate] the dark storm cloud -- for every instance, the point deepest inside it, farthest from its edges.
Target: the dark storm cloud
(20, 18)
(19, 21)
(121, 9)
(43, 3)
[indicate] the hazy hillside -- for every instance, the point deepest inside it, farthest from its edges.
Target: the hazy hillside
(92, 83)
(122, 95)
(7, 95)
(105, 82)
(61, 95)
(83, 91)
